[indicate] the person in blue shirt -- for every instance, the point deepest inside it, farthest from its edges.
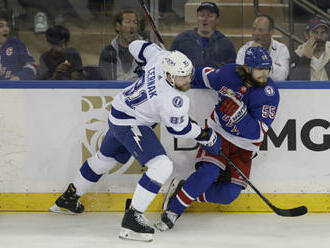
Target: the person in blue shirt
(204, 45)
(248, 101)
(16, 63)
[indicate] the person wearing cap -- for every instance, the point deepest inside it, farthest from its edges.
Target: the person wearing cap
(204, 45)
(262, 31)
(60, 62)
(311, 60)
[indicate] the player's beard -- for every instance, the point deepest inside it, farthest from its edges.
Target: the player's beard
(183, 88)
(256, 83)
(247, 78)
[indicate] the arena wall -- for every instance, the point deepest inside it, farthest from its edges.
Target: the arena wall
(48, 128)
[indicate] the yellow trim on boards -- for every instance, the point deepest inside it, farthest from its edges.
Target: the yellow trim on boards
(115, 202)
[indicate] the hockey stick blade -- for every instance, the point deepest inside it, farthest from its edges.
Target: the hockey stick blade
(293, 212)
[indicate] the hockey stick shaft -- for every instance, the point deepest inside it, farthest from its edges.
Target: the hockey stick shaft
(282, 212)
(151, 22)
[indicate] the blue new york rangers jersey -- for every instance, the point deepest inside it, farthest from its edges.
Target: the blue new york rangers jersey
(15, 60)
(262, 104)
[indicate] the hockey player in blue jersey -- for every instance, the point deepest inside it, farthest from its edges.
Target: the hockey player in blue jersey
(16, 63)
(155, 97)
(248, 101)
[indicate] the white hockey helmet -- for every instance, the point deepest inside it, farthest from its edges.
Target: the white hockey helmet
(177, 64)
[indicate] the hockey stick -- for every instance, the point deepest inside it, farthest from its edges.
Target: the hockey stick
(293, 212)
(151, 22)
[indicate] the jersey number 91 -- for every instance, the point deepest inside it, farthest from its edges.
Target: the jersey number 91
(135, 95)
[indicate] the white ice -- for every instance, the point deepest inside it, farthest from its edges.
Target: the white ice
(200, 230)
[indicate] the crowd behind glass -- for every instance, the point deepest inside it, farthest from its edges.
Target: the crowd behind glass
(205, 45)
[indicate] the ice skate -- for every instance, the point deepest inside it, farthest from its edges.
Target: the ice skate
(172, 191)
(68, 202)
(135, 227)
(167, 221)
(168, 218)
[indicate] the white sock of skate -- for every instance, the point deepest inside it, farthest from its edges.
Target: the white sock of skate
(142, 198)
(81, 184)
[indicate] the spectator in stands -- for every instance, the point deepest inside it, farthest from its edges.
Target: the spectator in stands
(262, 31)
(311, 60)
(60, 62)
(115, 60)
(206, 46)
(16, 63)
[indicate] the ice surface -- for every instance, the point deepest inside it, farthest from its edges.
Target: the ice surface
(200, 230)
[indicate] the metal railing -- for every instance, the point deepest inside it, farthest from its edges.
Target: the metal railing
(290, 33)
(311, 8)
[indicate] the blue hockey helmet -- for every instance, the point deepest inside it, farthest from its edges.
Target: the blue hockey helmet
(257, 57)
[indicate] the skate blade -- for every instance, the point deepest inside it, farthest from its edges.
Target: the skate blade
(161, 226)
(128, 234)
(169, 192)
(57, 209)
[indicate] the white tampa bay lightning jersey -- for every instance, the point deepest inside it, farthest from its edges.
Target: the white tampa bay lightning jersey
(151, 99)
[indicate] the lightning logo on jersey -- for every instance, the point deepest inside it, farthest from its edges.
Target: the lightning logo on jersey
(137, 136)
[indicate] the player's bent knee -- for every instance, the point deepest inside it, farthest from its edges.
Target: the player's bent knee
(101, 164)
(231, 194)
(160, 168)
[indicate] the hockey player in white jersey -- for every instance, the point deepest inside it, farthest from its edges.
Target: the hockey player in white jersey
(155, 97)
